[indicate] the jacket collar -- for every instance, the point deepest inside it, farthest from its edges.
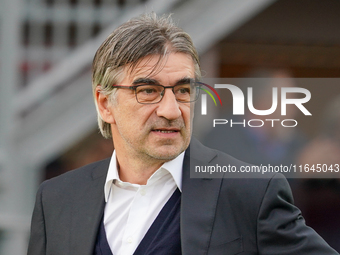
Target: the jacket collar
(198, 202)
(88, 209)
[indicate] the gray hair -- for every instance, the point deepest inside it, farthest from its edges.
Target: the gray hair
(139, 37)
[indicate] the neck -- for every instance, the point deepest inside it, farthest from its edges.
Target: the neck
(134, 170)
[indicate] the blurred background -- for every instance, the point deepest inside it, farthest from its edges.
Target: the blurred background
(48, 119)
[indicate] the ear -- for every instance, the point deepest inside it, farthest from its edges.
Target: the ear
(104, 107)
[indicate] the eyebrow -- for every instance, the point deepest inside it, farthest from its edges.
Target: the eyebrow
(145, 81)
(155, 82)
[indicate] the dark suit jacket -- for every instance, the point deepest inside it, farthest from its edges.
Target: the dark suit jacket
(218, 216)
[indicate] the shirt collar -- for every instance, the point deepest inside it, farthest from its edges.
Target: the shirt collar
(174, 167)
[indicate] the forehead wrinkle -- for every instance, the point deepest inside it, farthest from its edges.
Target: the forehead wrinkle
(143, 70)
(136, 68)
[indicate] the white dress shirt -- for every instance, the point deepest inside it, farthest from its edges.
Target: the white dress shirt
(131, 209)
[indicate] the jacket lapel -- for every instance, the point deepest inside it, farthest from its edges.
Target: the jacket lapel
(87, 210)
(198, 202)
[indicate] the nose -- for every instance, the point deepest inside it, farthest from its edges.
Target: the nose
(168, 107)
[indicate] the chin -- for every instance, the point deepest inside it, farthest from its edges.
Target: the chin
(166, 153)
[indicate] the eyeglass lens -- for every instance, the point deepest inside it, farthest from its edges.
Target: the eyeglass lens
(154, 93)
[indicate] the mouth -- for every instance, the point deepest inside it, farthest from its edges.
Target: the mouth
(166, 130)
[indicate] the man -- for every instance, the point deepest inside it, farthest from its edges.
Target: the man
(142, 200)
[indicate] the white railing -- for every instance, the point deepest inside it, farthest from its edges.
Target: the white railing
(52, 29)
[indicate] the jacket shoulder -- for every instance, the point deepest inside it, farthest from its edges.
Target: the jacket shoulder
(250, 186)
(75, 179)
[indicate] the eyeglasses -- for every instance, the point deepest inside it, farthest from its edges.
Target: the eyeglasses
(153, 93)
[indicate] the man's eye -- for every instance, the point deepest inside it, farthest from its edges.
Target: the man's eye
(147, 90)
(183, 90)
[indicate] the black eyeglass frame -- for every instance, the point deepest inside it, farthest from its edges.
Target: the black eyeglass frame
(134, 87)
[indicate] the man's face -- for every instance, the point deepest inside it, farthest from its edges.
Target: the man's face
(158, 131)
